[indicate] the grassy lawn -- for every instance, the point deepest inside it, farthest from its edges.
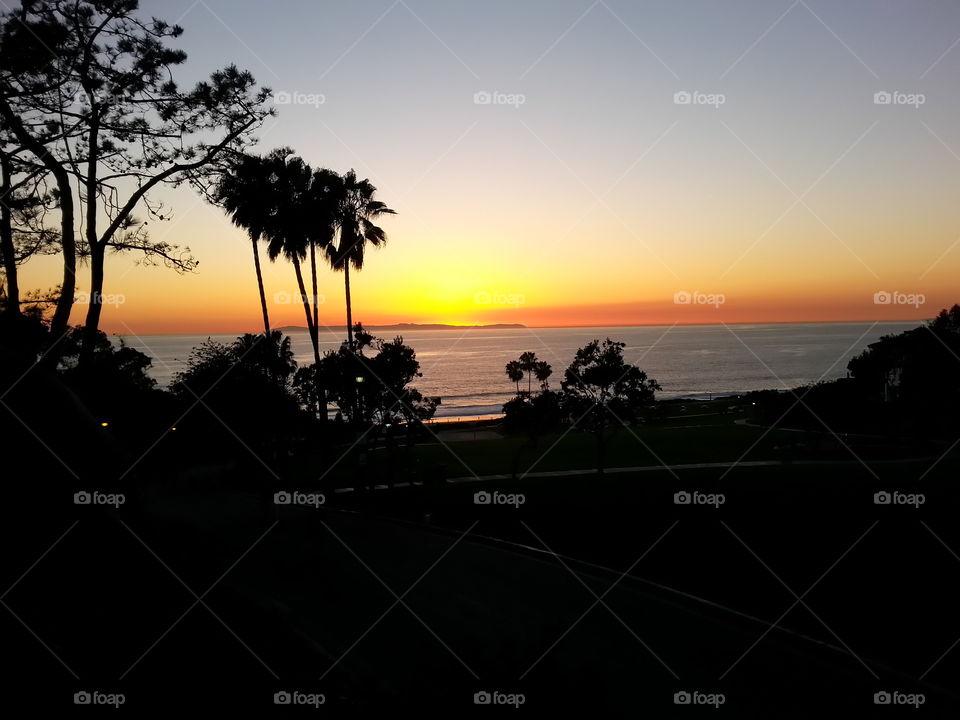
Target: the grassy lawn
(687, 433)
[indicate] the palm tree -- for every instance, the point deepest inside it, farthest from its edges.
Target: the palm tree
(271, 354)
(325, 199)
(293, 231)
(528, 363)
(246, 194)
(288, 233)
(542, 370)
(275, 198)
(355, 211)
(515, 373)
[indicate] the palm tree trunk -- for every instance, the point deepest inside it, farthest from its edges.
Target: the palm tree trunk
(316, 331)
(263, 297)
(313, 273)
(314, 340)
(311, 328)
(346, 284)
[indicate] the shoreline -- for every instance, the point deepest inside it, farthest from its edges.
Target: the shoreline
(471, 418)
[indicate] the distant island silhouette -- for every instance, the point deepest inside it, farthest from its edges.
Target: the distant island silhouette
(418, 326)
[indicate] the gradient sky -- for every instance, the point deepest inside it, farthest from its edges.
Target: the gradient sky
(599, 198)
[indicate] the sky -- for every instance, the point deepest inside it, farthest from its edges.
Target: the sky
(572, 162)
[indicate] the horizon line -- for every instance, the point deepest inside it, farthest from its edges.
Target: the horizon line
(521, 326)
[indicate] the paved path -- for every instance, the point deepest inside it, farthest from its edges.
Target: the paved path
(416, 618)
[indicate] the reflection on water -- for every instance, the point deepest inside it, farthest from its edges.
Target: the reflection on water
(465, 367)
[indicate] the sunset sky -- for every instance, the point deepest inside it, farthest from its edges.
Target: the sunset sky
(584, 192)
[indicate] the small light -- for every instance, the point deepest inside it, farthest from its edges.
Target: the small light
(173, 429)
(104, 424)
(360, 378)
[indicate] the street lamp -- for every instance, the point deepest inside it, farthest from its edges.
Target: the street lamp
(359, 408)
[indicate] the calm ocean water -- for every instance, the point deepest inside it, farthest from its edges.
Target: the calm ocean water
(466, 367)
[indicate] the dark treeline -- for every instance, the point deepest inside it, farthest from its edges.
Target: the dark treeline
(903, 386)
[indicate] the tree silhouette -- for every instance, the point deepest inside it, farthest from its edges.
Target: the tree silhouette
(356, 211)
(515, 373)
(529, 366)
(542, 371)
(102, 108)
(247, 392)
(246, 193)
(601, 390)
(384, 395)
(292, 231)
(947, 320)
(528, 363)
(26, 77)
(25, 201)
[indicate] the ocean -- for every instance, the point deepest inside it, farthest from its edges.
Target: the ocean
(465, 367)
